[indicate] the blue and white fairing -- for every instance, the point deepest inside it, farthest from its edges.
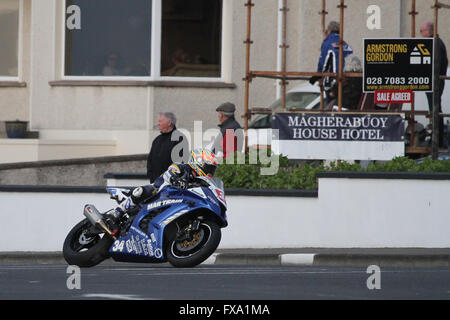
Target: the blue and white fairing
(144, 240)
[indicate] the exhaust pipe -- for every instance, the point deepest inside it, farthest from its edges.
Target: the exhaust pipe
(96, 219)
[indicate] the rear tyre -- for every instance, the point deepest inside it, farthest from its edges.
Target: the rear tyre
(190, 252)
(84, 251)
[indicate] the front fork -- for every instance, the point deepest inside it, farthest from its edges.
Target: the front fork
(188, 232)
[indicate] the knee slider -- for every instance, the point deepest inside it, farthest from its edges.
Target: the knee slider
(137, 193)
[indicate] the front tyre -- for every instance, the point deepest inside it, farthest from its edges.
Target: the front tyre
(186, 253)
(83, 250)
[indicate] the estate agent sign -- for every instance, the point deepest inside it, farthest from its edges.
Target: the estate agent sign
(398, 64)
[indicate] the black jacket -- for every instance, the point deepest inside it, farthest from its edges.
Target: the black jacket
(351, 92)
(160, 156)
(443, 59)
(230, 123)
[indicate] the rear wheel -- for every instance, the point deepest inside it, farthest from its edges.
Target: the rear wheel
(85, 250)
(190, 248)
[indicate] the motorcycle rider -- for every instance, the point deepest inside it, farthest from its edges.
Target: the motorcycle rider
(201, 163)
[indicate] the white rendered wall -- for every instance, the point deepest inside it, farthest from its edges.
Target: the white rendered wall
(349, 213)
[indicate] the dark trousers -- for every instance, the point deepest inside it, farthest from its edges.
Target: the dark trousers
(430, 107)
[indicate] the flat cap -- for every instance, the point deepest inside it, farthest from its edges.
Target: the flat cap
(226, 107)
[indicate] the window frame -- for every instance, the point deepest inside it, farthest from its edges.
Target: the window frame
(19, 48)
(155, 58)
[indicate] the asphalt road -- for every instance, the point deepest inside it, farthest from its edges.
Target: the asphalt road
(220, 282)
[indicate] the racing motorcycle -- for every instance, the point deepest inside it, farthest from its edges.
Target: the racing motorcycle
(179, 226)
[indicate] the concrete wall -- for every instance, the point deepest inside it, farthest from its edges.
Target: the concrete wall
(409, 212)
(15, 96)
(374, 209)
(127, 111)
(13, 150)
(135, 107)
(72, 172)
(355, 29)
(425, 13)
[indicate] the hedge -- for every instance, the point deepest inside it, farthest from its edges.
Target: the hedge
(302, 175)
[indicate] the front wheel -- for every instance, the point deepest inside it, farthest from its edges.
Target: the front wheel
(188, 252)
(84, 250)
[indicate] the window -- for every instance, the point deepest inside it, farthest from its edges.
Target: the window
(191, 38)
(9, 38)
(116, 38)
(107, 38)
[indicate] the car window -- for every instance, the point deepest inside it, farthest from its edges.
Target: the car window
(260, 121)
(316, 106)
(296, 100)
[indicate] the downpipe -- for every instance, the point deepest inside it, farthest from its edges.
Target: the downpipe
(96, 219)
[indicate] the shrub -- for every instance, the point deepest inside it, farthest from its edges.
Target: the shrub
(303, 174)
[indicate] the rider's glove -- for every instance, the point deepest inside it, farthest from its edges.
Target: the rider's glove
(179, 182)
(182, 184)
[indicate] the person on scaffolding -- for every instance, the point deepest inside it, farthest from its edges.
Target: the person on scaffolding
(329, 57)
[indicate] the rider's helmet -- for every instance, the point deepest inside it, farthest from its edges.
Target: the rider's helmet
(203, 162)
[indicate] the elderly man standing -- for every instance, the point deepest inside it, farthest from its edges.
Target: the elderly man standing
(160, 156)
(427, 31)
(231, 137)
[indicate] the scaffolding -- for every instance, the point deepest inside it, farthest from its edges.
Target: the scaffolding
(283, 75)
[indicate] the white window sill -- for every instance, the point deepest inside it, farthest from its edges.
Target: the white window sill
(141, 83)
(17, 84)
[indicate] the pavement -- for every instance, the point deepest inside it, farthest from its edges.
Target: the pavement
(382, 257)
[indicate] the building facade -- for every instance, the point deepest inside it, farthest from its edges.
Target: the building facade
(92, 76)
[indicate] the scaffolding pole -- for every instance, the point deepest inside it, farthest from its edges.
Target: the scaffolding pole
(340, 76)
(284, 48)
(435, 110)
(247, 78)
(411, 118)
(323, 13)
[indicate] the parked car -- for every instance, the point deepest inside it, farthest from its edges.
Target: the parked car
(302, 97)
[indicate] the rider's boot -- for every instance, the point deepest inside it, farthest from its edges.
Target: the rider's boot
(129, 203)
(113, 216)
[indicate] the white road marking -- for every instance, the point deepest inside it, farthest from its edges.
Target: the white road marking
(113, 296)
(297, 259)
(211, 259)
(228, 272)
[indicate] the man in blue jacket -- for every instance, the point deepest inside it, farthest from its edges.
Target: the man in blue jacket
(329, 56)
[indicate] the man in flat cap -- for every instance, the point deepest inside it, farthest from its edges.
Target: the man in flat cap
(230, 138)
